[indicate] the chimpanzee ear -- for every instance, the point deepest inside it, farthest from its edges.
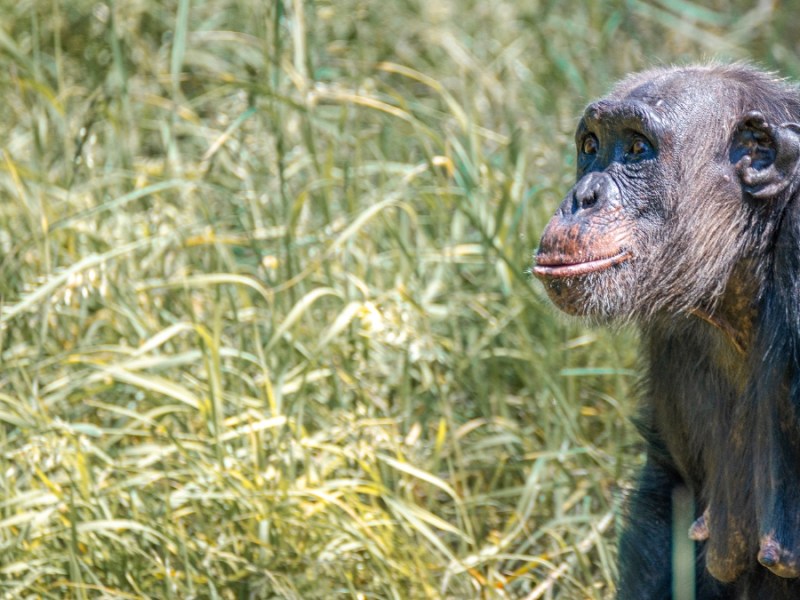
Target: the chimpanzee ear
(766, 156)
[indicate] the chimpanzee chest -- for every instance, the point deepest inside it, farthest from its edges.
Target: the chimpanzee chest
(697, 404)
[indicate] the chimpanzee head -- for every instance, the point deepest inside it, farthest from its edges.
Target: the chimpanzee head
(682, 175)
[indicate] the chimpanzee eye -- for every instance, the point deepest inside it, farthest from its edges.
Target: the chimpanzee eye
(590, 145)
(639, 147)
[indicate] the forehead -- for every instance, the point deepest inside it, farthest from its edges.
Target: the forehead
(667, 100)
(668, 86)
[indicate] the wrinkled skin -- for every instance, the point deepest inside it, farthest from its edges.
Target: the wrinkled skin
(685, 220)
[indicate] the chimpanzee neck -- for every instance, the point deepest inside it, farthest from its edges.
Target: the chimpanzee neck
(697, 374)
(736, 312)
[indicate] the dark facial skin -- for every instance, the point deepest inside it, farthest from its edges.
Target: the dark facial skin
(592, 231)
(685, 220)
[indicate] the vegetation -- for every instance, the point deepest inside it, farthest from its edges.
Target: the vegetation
(266, 327)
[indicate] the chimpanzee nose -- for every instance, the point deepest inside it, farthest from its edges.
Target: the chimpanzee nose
(591, 190)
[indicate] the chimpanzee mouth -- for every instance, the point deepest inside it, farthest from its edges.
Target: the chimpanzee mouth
(553, 267)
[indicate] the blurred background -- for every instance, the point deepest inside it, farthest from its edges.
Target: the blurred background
(266, 323)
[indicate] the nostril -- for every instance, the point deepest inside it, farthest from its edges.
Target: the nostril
(589, 200)
(593, 191)
(585, 200)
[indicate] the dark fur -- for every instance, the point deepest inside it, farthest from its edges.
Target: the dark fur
(711, 224)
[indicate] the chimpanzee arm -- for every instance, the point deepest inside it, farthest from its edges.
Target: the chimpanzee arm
(645, 552)
(646, 546)
(776, 399)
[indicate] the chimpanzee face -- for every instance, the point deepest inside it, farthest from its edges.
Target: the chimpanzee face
(663, 207)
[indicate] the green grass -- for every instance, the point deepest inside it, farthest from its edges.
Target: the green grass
(266, 326)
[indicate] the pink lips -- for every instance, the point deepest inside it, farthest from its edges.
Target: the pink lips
(554, 267)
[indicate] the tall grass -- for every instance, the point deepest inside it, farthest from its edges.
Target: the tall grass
(266, 327)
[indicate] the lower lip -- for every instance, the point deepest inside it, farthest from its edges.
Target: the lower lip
(578, 269)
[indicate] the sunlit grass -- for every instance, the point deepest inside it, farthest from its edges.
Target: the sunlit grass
(266, 329)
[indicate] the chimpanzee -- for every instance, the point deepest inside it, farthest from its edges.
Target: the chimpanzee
(685, 219)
